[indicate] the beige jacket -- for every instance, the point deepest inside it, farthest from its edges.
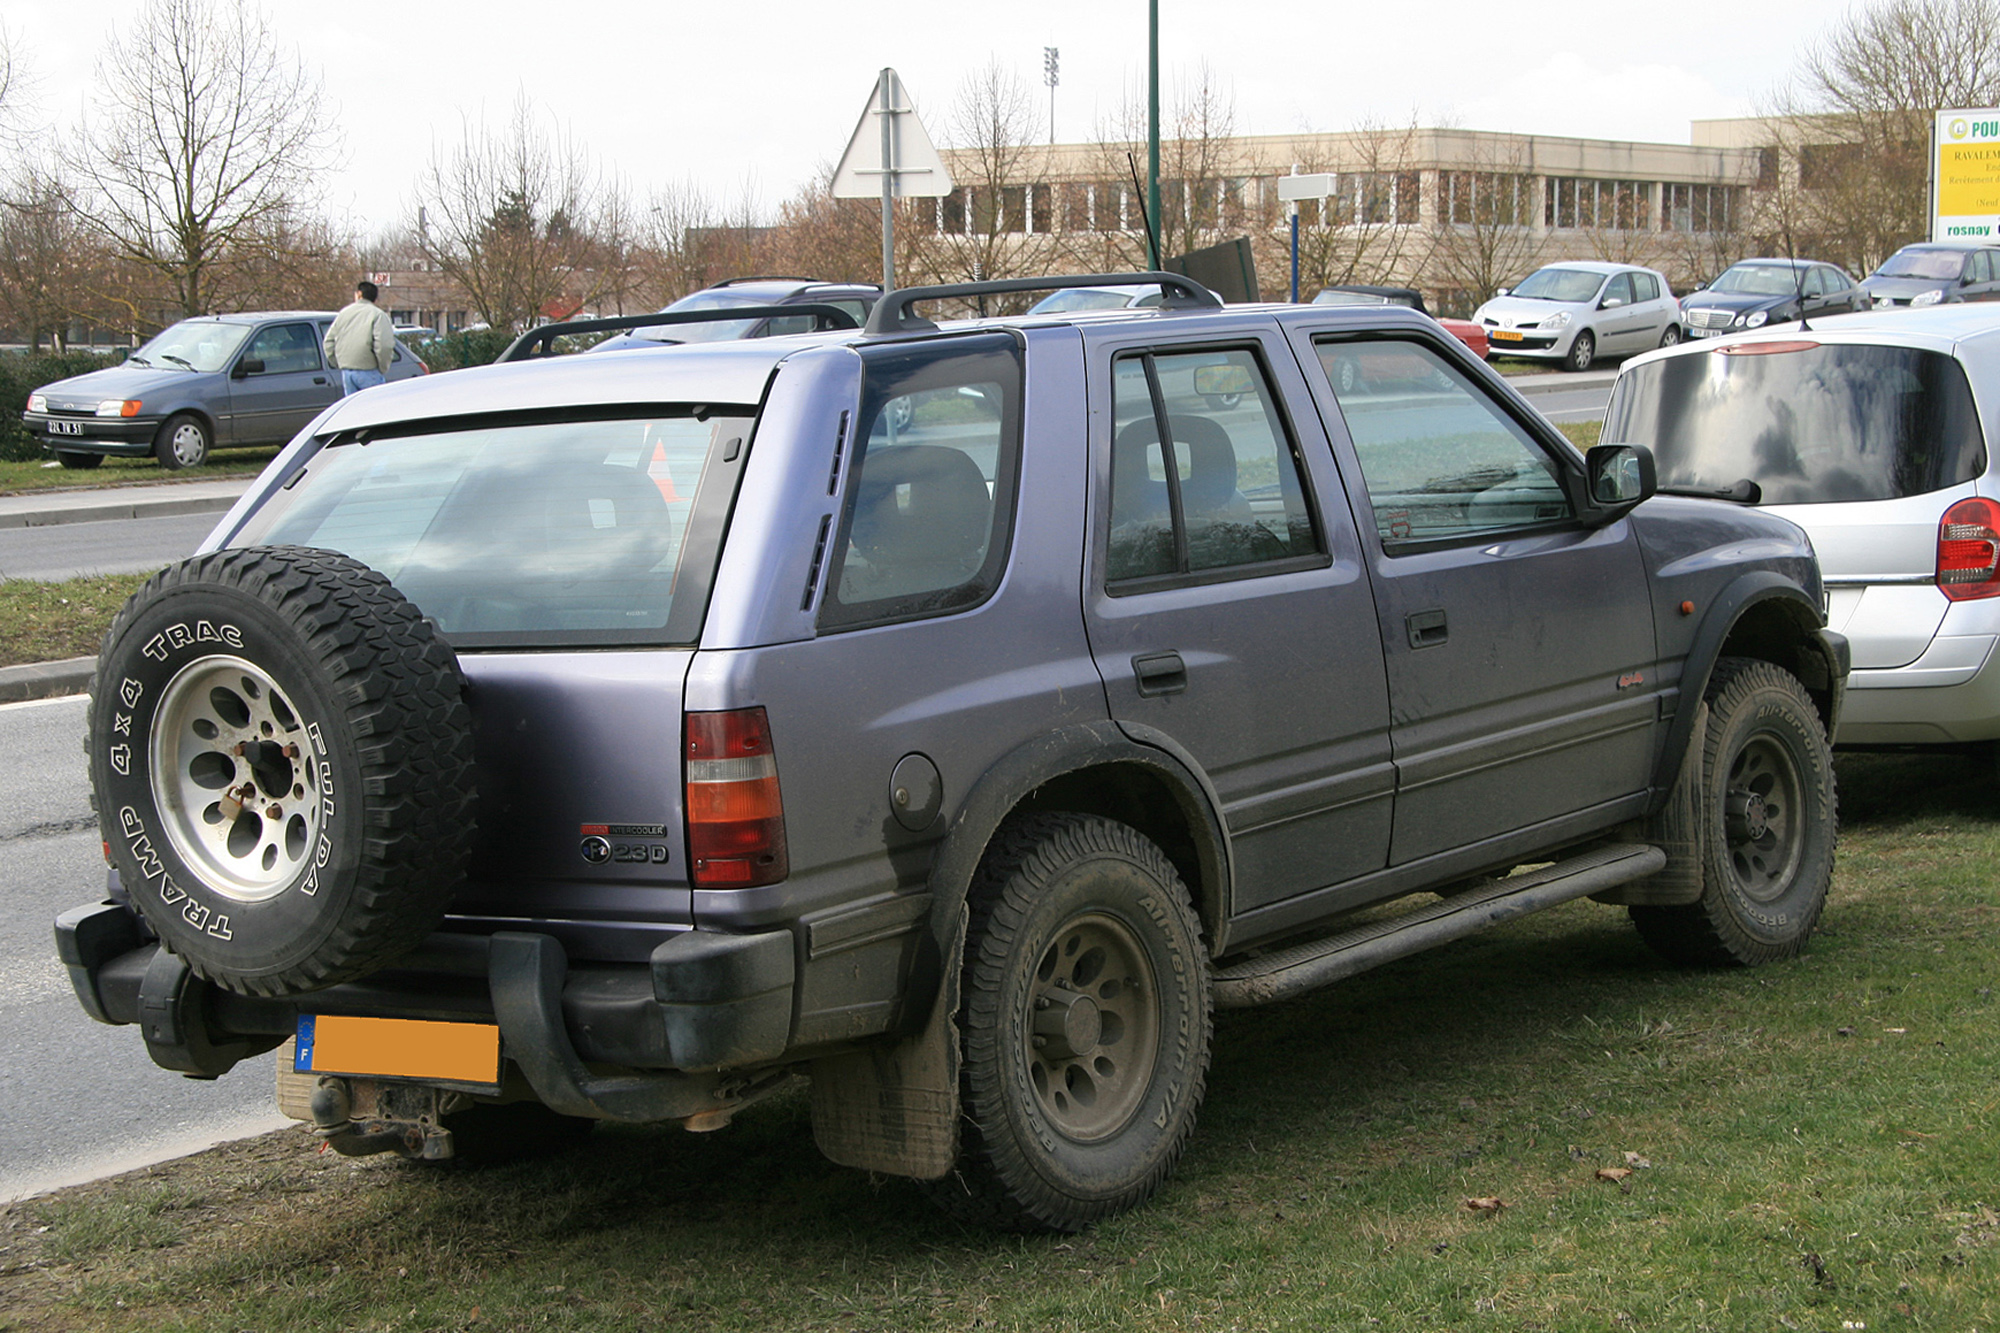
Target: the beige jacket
(362, 338)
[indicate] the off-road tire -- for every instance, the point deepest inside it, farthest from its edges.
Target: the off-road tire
(1081, 939)
(1582, 352)
(1770, 818)
(78, 462)
(184, 441)
(281, 764)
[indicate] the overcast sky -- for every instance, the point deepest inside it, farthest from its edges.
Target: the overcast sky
(749, 98)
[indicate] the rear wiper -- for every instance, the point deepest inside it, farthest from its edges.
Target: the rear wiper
(1743, 492)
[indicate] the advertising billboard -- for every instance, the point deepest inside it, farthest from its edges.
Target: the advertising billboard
(1965, 176)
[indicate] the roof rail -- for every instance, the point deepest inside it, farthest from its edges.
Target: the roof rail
(539, 342)
(767, 277)
(892, 313)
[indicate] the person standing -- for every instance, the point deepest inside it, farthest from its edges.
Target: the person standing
(362, 341)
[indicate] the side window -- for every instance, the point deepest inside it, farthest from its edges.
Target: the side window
(858, 309)
(1818, 282)
(1618, 289)
(1440, 459)
(284, 348)
(1980, 267)
(930, 490)
(778, 325)
(1645, 287)
(1203, 473)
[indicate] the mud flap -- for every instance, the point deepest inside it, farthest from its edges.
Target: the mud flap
(1677, 830)
(894, 1108)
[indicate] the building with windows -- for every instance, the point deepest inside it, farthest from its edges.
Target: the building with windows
(1453, 212)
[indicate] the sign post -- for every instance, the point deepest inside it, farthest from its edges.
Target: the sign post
(1319, 185)
(1965, 175)
(892, 158)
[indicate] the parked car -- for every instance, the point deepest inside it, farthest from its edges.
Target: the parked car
(1755, 292)
(950, 716)
(1573, 313)
(1471, 334)
(1934, 272)
(857, 299)
(211, 382)
(1872, 433)
(1129, 296)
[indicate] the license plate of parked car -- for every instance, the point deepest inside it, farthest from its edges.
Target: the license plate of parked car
(1504, 336)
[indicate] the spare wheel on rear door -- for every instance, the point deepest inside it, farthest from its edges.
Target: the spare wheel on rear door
(281, 761)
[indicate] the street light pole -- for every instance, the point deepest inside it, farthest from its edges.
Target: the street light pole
(1052, 75)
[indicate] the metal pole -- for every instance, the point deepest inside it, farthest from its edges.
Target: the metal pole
(1295, 252)
(887, 83)
(1153, 131)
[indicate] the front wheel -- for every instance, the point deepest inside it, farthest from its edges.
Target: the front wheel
(1085, 1027)
(1582, 352)
(183, 441)
(1768, 819)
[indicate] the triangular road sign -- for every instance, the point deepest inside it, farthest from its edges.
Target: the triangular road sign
(889, 124)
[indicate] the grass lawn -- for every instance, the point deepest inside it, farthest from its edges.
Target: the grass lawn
(1808, 1146)
(45, 622)
(37, 475)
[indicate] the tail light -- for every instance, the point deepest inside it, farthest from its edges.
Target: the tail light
(735, 817)
(1968, 551)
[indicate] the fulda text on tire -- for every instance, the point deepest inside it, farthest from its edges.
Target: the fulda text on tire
(1085, 1025)
(282, 766)
(1769, 821)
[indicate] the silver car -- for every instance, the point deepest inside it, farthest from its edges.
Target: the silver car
(1871, 434)
(1574, 313)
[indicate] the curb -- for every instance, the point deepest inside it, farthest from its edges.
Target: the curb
(1529, 386)
(99, 506)
(45, 680)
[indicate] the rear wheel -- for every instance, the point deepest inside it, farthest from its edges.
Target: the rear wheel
(1672, 337)
(1768, 823)
(183, 441)
(1085, 1025)
(1582, 352)
(69, 458)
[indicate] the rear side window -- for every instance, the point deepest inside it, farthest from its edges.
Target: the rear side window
(930, 492)
(1810, 423)
(551, 533)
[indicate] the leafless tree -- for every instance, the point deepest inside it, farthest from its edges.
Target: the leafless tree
(510, 216)
(204, 138)
(1484, 232)
(1363, 230)
(1851, 130)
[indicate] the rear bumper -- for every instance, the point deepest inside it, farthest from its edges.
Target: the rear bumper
(1948, 696)
(705, 1001)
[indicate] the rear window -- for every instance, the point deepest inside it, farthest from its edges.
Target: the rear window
(1810, 423)
(545, 533)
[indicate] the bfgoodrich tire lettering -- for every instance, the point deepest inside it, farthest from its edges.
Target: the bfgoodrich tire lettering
(1085, 1023)
(1769, 822)
(281, 764)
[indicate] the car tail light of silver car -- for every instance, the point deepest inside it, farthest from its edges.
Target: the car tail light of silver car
(735, 815)
(1968, 550)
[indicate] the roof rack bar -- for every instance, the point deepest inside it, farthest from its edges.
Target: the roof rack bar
(892, 313)
(538, 342)
(776, 277)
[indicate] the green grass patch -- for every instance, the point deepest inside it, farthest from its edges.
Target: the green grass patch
(46, 622)
(1582, 434)
(1811, 1147)
(37, 474)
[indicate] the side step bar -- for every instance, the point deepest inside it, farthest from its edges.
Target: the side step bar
(1316, 963)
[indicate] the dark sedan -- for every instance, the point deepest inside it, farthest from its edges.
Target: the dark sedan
(205, 383)
(1756, 292)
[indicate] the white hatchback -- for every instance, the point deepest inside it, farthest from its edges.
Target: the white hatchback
(1871, 433)
(1575, 312)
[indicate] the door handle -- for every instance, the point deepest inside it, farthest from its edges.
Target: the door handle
(319, 379)
(1427, 628)
(1159, 673)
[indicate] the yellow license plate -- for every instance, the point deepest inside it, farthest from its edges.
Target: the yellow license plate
(398, 1048)
(1504, 336)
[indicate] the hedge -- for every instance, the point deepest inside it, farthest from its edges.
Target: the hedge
(21, 373)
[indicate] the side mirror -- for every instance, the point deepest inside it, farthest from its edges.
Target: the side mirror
(1499, 292)
(249, 365)
(1621, 476)
(1611, 303)
(1701, 286)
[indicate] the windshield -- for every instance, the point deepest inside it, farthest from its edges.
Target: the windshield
(1560, 284)
(548, 533)
(1087, 299)
(1759, 280)
(193, 344)
(1921, 262)
(1810, 423)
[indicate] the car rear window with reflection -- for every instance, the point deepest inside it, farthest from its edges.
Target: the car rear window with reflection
(1813, 423)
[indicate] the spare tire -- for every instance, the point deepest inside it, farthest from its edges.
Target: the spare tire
(281, 762)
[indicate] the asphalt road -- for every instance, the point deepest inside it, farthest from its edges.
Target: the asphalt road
(117, 546)
(1559, 405)
(79, 1100)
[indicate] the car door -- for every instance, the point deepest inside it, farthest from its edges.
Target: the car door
(1227, 608)
(1621, 325)
(1981, 281)
(1519, 643)
(278, 383)
(1651, 295)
